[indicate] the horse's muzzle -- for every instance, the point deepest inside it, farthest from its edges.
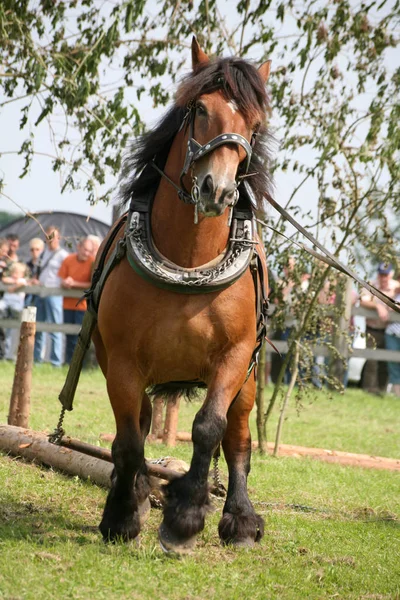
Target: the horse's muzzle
(214, 198)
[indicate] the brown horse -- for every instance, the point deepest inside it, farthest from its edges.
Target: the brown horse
(150, 336)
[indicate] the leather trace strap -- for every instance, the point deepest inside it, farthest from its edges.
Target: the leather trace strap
(330, 259)
(262, 304)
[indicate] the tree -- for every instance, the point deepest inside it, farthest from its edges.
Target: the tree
(7, 217)
(334, 90)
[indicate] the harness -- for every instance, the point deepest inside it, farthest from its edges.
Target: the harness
(196, 151)
(138, 246)
(151, 265)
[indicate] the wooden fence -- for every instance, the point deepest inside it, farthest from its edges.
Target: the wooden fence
(282, 346)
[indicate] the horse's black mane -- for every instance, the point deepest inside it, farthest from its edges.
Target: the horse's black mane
(239, 81)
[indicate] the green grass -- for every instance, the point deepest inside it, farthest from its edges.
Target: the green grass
(331, 531)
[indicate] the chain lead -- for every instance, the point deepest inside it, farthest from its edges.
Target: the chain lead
(58, 433)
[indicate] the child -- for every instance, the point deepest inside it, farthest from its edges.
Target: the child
(13, 302)
(4, 260)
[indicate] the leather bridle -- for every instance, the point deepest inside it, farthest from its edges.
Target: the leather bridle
(196, 151)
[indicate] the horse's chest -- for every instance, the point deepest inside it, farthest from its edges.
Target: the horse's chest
(191, 327)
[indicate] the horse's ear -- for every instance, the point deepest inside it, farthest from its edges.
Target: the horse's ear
(198, 56)
(264, 70)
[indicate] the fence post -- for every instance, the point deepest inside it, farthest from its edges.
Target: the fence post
(343, 301)
(157, 419)
(21, 390)
(171, 422)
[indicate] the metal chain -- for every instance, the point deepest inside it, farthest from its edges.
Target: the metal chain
(159, 461)
(219, 490)
(155, 502)
(58, 433)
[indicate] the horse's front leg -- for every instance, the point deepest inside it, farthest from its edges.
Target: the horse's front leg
(240, 525)
(186, 498)
(129, 480)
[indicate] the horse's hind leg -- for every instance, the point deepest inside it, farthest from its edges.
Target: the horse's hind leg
(240, 525)
(129, 480)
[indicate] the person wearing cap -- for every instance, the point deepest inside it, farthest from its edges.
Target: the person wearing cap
(375, 373)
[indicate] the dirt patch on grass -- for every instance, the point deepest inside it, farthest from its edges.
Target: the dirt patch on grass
(332, 456)
(338, 457)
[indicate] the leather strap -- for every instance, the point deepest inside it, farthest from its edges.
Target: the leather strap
(330, 259)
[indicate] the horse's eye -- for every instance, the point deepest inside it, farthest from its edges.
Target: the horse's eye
(201, 110)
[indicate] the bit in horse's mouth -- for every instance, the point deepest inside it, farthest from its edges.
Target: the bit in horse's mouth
(215, 211)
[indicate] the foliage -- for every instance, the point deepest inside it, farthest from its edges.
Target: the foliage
(7, 217)
(58, 57)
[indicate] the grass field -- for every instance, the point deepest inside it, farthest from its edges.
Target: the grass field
(331, 531)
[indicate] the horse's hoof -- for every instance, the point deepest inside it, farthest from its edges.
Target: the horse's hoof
(144, 511)
(116, 531)
(172, 545)
(117, 538)
(243, 543)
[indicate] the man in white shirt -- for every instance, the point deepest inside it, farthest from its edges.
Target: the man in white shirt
(50, 309)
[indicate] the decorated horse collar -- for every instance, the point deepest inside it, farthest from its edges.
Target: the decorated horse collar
(215, 276)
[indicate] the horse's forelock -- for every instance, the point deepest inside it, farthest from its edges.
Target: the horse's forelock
(237, 79)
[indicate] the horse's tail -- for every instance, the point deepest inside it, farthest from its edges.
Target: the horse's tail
(173, 390)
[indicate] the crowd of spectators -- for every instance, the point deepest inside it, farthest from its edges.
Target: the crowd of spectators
(377, 376)
(382, 334)
(51, 266)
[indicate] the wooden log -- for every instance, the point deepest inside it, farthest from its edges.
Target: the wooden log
(35, 447)
(21, 391)
(105, 454)
(181, 436)
(171, 422)
(73, 456)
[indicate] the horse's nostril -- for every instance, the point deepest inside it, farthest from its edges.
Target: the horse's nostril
(230, 193)
(207, 187)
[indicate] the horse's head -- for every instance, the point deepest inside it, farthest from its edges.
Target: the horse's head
(223, 122)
